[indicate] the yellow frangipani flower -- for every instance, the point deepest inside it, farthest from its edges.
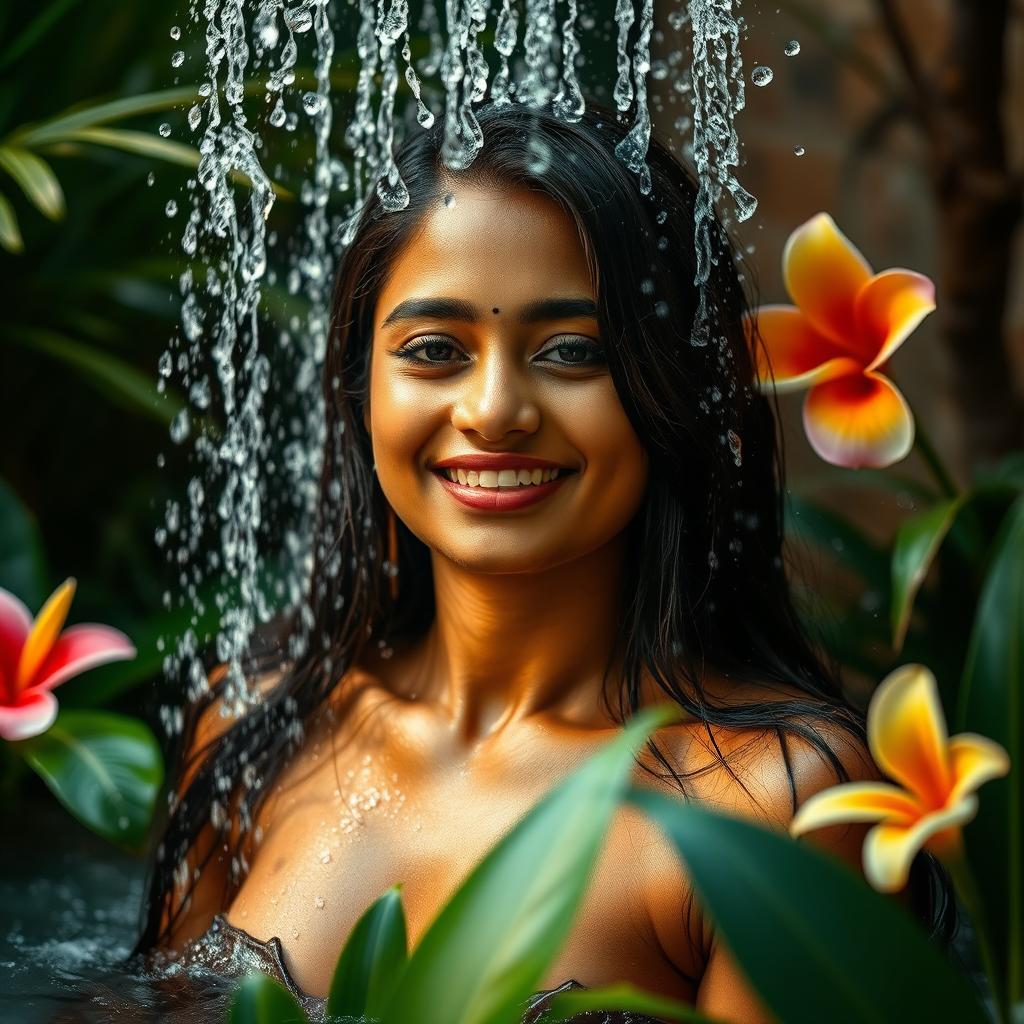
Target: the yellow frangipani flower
(936, 777)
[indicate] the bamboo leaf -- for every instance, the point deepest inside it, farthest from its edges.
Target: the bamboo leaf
(917, 542)
(58, 127)
(621, 997)
(262, 1000)
(491, 943)
(117, 379)
(796, 921)
(36, 179)
(992, 703)
(10, 235)
(371, 961)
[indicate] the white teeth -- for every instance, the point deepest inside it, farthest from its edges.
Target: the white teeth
(492, 478)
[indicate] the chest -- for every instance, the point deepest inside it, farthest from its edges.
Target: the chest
(342, 827)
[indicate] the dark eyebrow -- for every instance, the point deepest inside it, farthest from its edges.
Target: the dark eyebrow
(457, 309)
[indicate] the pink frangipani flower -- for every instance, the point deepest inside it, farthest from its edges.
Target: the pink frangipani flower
(36, 657)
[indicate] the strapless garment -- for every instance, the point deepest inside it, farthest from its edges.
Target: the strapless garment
(231, 952)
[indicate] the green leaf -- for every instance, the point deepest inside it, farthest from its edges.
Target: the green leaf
(106, 769)
(10, 235)
(22, 562)
(262, 1000)
(917, 542)
(369, 965)
(57, 128)
(490, 945)
(148, 145)
(992, 703)
(821, 526)
(36, 180)
(120, 381)
(813, 939)
(621, 997)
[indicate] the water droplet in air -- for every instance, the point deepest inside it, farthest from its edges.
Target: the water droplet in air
(278, 115)
(792, 48)
(312, 103)
(194, 117)
(799, 150)
(298, 19)
(761, 76)
(662, 216)
(178, 59)
(661, 308)
(171, 208)
(736, 447)
(123, 823)
(175, 32)
(165, 130)
(150, 178)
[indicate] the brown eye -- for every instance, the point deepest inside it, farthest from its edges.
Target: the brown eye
(437, 350)
(575, 352)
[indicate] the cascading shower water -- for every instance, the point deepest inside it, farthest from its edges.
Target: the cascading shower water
(256, 458)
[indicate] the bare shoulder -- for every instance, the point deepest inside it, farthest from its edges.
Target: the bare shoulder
(758, 773)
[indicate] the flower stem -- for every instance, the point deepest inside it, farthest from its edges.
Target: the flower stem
(967, 890)
(930, 454)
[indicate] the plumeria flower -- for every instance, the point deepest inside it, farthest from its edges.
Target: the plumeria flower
(36, 656)
(936, 775)
(836, 341)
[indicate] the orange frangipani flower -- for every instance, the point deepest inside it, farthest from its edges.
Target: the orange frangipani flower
(937, 777)
(36, 656)
(836, 340)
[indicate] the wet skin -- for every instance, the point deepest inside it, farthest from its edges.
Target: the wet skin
(447, 744)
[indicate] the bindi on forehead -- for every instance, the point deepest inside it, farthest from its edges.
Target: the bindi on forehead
(495, 311)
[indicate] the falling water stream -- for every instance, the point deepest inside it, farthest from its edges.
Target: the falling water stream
(249, 471)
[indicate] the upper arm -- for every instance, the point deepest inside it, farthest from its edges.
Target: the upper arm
(771, 772)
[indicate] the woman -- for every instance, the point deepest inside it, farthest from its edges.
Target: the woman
(541, 509)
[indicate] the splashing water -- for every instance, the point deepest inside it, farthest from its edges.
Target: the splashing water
(256, 447)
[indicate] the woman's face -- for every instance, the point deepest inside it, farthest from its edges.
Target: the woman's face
(486, 343)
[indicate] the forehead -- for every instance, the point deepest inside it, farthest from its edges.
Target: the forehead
(499, 246)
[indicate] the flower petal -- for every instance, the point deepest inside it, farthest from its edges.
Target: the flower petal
(859, 420)
(15, 625)
(856, 801)
(792, 354)
(907, 734)
(34, 713)
(974, 760)
(80, 648)
(824, 273)
(44, 632)
(889, 850)
(889, 307)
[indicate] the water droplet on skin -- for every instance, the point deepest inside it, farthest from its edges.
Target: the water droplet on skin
(165, 130)
(175, 32)
(792, 48)
(320, 903)
(799, 150)
(325, 857)
(761, 76)
(178, 59)
(171, 208)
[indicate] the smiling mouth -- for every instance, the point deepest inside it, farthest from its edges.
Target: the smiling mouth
(503, 479)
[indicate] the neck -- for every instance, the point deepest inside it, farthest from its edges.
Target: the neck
(504, 647)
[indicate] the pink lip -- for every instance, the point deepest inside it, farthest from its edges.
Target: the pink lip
(500, 499)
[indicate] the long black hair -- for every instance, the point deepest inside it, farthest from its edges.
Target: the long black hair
(706, 586)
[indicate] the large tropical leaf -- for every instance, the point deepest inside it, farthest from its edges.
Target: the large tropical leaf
(369, 965)
(106, 769)
(490, 945)
(814, 941)
(22, 562)
(992, 703)
(621, 997)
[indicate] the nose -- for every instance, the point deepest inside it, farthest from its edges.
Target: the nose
(495, 398)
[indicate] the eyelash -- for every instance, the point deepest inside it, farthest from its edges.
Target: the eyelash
(409, 351)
